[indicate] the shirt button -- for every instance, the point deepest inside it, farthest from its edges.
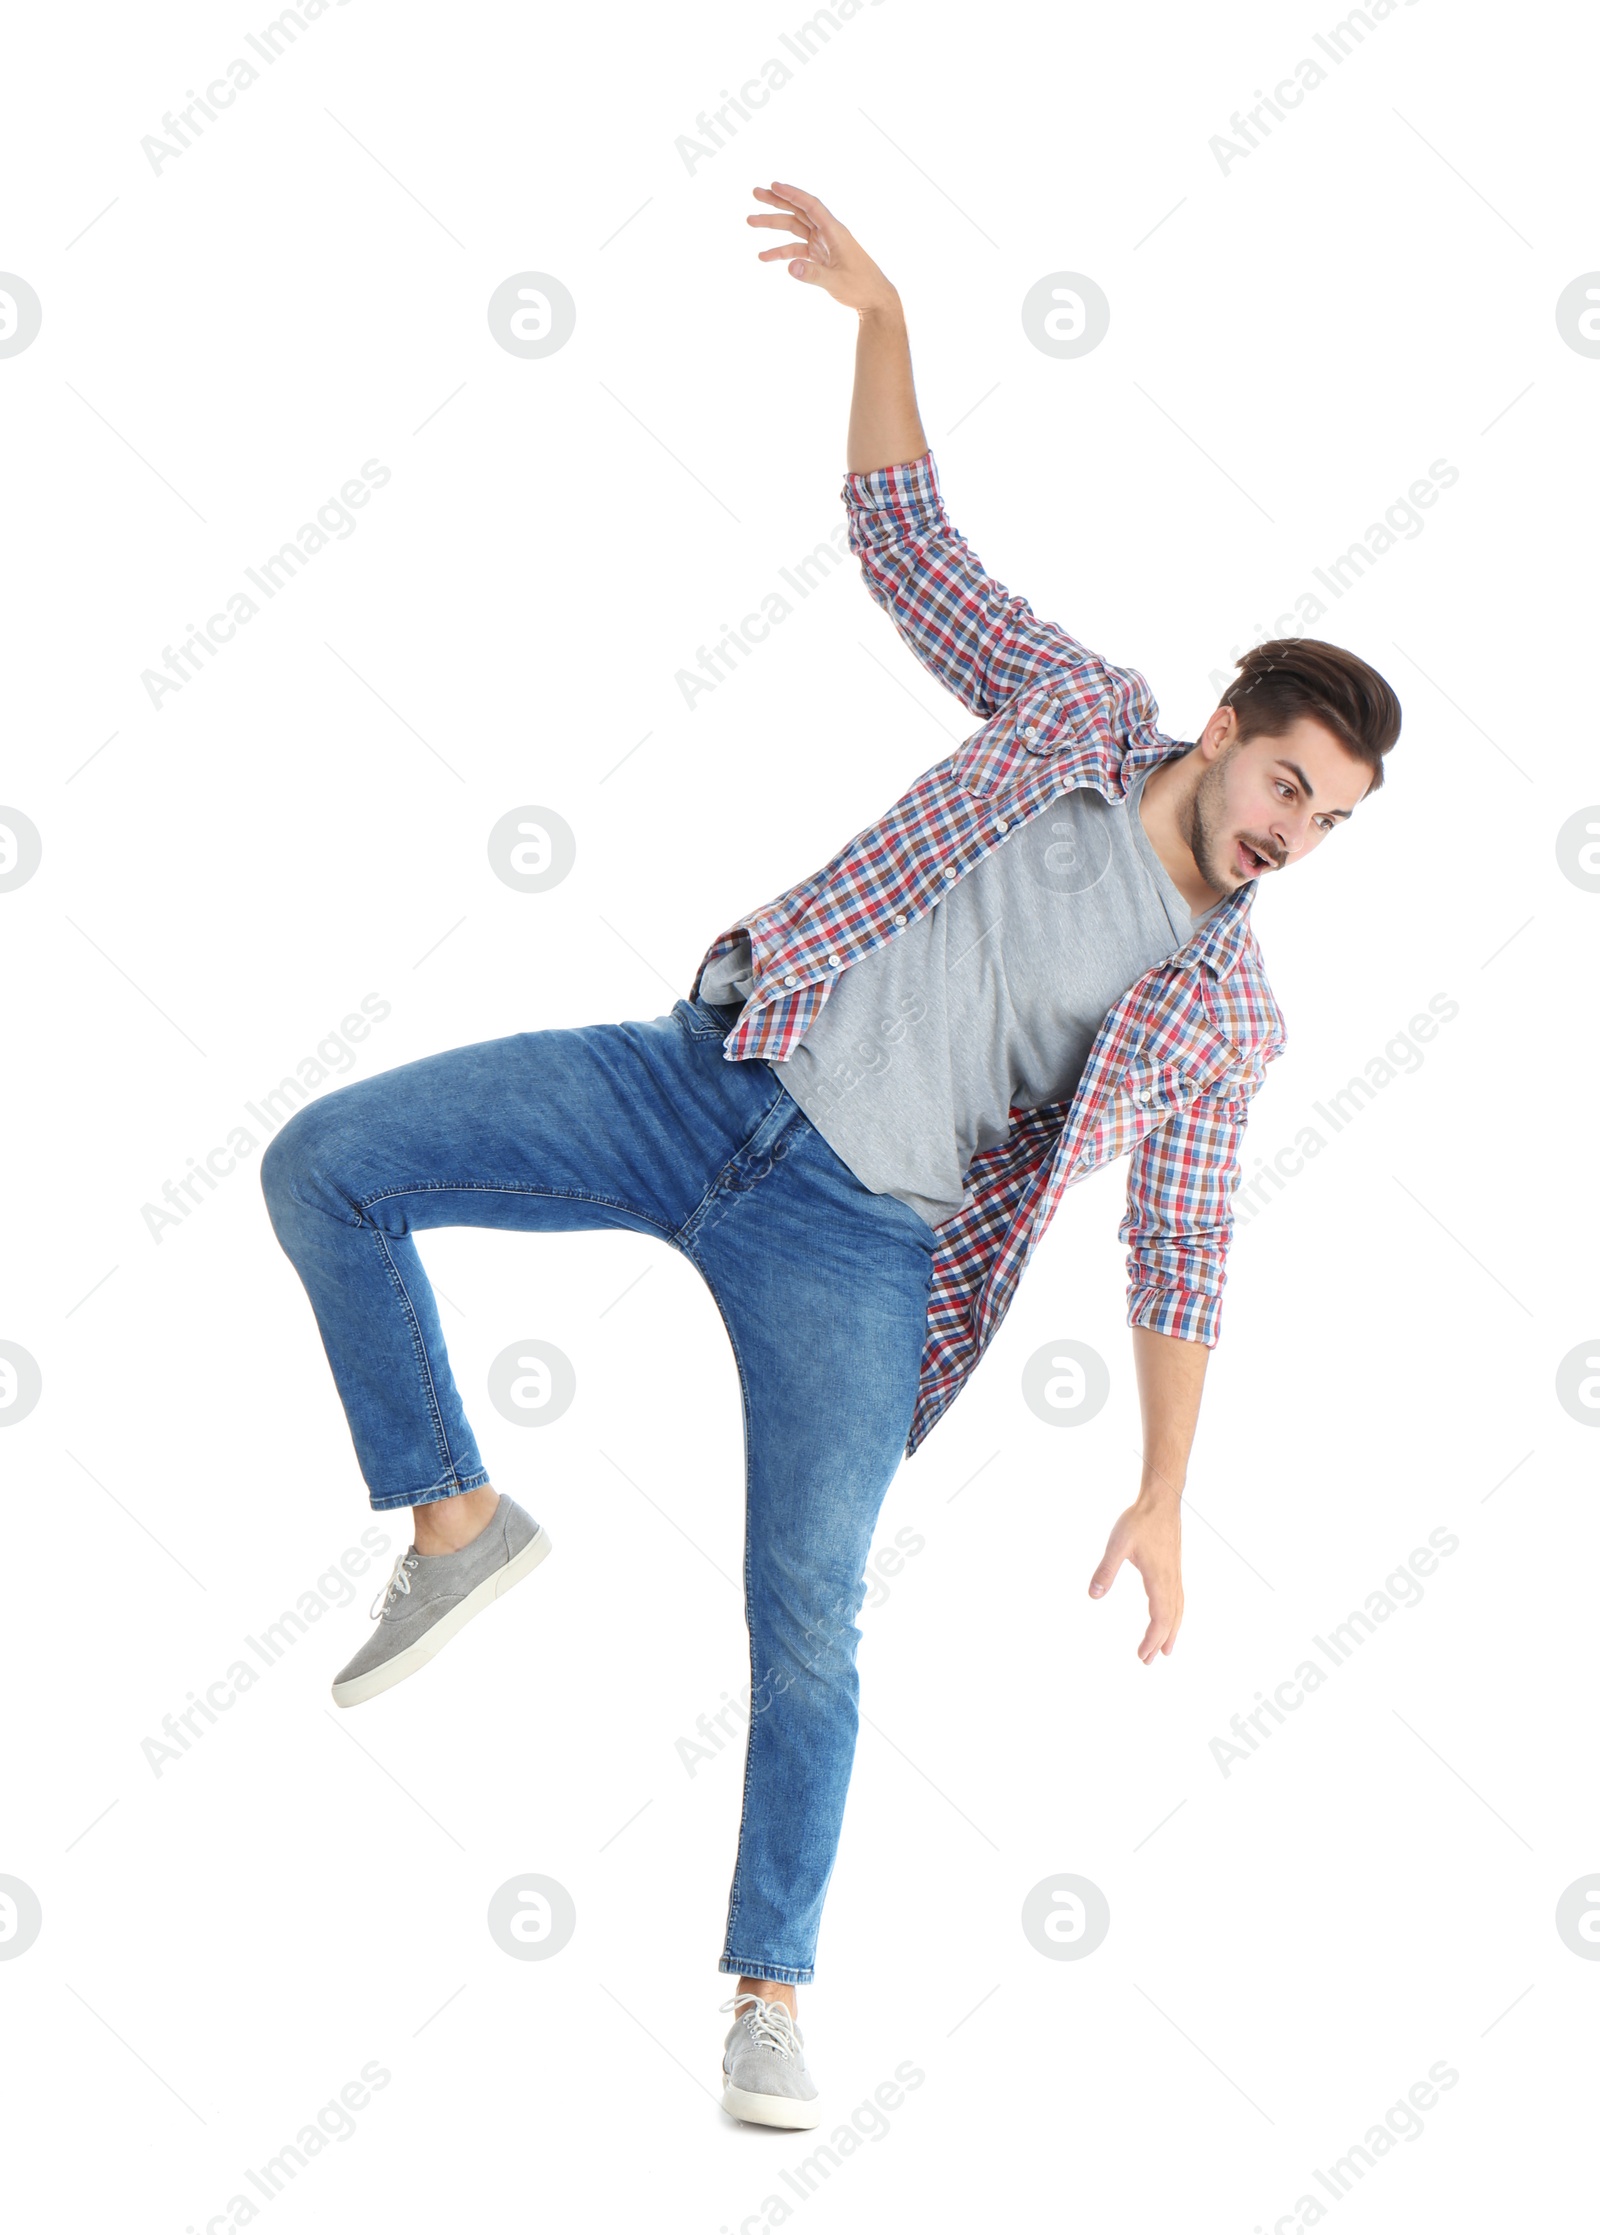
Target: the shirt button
(791, 981)
(1141, 1094)
(952, 872)
(834, 961)
(1001, 823)
(1026, 734)
(899, 919)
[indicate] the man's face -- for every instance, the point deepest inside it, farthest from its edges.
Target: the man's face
(1265, 802)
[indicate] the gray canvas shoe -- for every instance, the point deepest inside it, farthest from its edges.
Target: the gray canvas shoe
(764, 2076)
(431, 1595)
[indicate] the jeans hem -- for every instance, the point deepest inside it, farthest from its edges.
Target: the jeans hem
(784, 1974)
(452, 1487)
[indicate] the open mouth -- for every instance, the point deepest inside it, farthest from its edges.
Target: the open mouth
(1251, 861)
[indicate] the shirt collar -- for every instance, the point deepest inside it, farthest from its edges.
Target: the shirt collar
(1224, 932)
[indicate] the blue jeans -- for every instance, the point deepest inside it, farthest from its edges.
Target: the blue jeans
(822, 1286)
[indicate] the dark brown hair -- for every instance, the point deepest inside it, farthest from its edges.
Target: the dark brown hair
(1291, 676)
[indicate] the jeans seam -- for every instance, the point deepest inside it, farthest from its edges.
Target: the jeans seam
(794, 1975)
(750, 1739)
(736, 1891)
(449, 1486)
(420, 1347)
(749, 1630)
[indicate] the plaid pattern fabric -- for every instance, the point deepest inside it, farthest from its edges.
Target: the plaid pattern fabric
(1177, 1059)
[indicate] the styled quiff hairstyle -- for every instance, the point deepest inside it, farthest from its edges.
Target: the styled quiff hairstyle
(1291, 676)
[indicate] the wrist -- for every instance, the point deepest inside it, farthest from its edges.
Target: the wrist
(1159, 1487)
(882, 307)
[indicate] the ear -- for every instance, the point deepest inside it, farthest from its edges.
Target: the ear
(1218, 733)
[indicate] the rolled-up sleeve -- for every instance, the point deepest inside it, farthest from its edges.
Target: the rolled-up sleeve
(1179, 1219)
(981, 641)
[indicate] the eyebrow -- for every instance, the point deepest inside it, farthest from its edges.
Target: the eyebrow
(1341, 814)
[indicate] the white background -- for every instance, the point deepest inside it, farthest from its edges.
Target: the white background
(1292, 343)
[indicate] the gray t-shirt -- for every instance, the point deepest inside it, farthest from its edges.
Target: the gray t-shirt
(990, 1001)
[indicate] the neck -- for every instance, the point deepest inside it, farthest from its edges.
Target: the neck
(1163, 804)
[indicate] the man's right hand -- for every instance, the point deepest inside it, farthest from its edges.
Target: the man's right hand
(826, 256)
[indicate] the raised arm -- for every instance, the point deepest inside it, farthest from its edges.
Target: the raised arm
(884, 427)
(966, 628)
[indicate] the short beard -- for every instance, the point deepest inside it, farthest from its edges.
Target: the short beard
(1203, 825)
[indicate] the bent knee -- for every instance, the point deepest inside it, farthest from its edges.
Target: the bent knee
(302, 1160)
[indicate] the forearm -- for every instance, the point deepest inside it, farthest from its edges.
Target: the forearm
(1171, 1374)
(885, 429)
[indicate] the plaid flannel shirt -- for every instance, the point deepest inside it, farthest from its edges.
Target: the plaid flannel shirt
(1177, 1059)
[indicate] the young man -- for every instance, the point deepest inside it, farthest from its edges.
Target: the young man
(857, 1126)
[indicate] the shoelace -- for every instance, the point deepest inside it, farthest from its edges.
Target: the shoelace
(769, 2022)
(399, 1580)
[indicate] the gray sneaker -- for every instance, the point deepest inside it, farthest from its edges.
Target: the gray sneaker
(431, 1595)
(764, 2076)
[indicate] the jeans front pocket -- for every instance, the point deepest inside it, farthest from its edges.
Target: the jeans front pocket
(705, 1020)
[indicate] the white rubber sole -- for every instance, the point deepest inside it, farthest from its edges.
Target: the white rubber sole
(770, 2110)
(375, 1680)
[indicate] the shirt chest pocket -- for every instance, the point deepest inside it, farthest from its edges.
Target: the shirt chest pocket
(1035, 722)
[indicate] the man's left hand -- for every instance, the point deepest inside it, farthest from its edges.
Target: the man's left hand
(1149, 1537)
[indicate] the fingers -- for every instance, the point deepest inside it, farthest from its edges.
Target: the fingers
(797, 211)
(803, 264)
(814, 216)
(806, 260)
(812, 249)
(800, 198)
(803, 213)
(1162, 1633)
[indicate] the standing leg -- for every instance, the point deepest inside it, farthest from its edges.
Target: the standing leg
(823, 1287)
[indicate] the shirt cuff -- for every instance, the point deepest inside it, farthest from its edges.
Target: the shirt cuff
(1183, 1312)
(910, 490)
